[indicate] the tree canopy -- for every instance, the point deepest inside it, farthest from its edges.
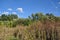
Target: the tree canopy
(9, 17)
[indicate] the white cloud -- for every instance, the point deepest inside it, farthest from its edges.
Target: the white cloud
(10, 9)
(20, 10)
(14, 13)
(5, 13)
(58, 2)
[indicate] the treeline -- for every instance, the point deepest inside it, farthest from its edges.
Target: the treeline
(33, 17)
(13, 19)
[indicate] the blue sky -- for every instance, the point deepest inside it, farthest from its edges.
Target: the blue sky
(24, 8)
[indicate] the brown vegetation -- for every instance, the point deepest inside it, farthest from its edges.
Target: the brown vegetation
(37, 31)
(36, 27)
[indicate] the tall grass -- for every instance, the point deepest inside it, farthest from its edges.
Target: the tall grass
(47, 30)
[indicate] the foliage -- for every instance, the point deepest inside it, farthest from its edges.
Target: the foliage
(9, 17)
(12, 20)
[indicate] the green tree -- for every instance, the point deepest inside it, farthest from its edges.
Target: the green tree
(4, 17)
(12, 16)
(50, 16)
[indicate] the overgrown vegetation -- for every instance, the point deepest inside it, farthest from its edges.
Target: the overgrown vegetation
(36, 27)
